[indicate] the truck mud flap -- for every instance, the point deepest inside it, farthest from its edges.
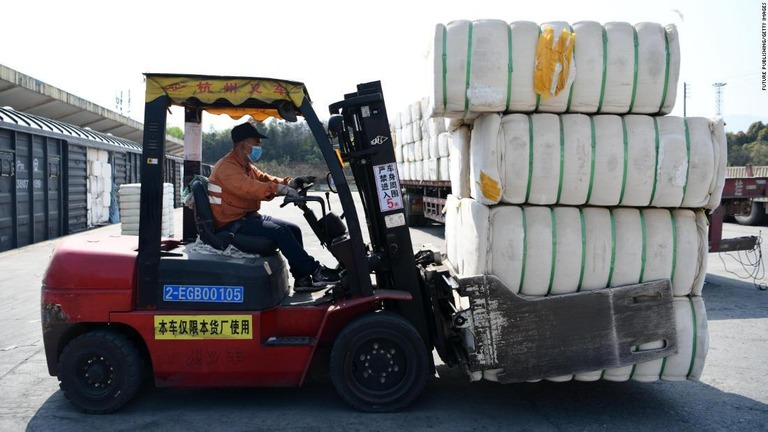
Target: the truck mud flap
(539, 337)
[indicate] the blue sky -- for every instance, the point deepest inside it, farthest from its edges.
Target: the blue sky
(95, 53)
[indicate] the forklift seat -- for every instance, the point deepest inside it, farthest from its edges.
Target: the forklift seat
(221, 239)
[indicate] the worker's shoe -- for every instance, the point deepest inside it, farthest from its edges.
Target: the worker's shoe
(324, 276)
(305, 284)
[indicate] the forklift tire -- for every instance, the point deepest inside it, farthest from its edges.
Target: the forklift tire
(100, 371)
(757, 215)
(379, 363)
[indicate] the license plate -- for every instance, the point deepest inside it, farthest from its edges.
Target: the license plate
(203, 293)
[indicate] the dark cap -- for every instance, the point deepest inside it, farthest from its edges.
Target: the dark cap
(245, 131)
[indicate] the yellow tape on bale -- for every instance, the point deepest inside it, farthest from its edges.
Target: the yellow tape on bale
(554, 62)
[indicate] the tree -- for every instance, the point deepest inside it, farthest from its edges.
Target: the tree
(290, 147)
(175, 131)
(749, 147)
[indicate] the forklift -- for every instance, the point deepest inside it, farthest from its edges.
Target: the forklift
(120, 310)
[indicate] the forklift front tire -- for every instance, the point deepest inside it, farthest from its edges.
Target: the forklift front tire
(379, 363)
(100, 371)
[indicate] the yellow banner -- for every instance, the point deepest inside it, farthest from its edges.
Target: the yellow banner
(186, 327)
(236, 90)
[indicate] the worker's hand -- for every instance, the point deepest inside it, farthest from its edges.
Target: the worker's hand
(283, 190)
(300, 181)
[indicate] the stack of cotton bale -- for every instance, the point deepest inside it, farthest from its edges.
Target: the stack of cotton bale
(422, 145)
(130, 204)
(99, 191)
(568, 176)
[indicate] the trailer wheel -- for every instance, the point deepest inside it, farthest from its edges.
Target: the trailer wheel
(379, 363)
(100, 371)
(757, 215)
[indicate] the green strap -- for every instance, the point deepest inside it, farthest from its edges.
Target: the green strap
(592, 167)
(469, 69)
(562, 160)
(510, 67)
(674, 245)
(573, 64)
(554, 250)
(634, 79)
(644, 251)
(613, 246)
(538, 96)
(530, 156)
(583, 248)
(525, 251)
(663, 366)
(445, 67)
(626, 159)
(666, 71)
(688, 156)
(656, 165)
(605, 70)
(695, 337)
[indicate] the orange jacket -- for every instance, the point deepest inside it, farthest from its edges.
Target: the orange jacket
(236, 188)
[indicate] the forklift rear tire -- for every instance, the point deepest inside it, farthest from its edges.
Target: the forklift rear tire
(100, 371)
(379, 363)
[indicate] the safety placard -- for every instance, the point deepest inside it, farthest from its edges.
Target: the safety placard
(388, 187)
(186, 327)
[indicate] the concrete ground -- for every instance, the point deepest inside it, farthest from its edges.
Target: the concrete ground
(731, 396)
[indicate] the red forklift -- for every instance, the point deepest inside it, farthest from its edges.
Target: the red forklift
(119, 310)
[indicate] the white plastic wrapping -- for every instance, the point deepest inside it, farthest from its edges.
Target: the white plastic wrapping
(602, 160)
(488, 66)
(539, 250)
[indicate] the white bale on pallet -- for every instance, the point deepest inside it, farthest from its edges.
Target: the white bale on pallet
(602, 160)
(435, 126)
(129, 197)
(431, 169)
(415, 109)
(408, 133)
(398, 153)
(538, 250)
(444, 170)
(434, 144)
(416, 130)
(488, 66)
(418, 151)
(426, 144)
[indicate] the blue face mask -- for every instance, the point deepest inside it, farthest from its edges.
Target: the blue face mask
(255, 153)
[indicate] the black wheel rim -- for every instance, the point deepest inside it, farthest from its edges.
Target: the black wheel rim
(94, 374)
(378, 367)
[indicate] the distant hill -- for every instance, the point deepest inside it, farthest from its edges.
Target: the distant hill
(740, 123)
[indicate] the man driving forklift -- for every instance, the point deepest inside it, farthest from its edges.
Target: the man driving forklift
(236, 189)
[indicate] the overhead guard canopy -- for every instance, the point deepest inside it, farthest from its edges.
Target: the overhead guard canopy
(236, 97)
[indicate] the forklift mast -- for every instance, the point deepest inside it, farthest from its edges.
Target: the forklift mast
(365, 142)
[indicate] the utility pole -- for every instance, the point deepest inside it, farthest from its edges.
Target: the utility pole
(685, 99)
(718, 98)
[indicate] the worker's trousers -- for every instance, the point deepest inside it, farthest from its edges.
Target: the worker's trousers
(287, 236)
